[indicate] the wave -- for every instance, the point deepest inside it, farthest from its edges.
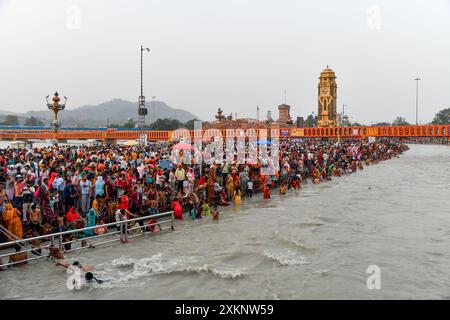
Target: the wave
(223, 274)
(285, 257)
(296, 242)
(123, 270)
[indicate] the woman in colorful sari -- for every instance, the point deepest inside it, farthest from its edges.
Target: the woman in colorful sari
(12, 222)
(91, 218)
(73, 219)
(48, 215)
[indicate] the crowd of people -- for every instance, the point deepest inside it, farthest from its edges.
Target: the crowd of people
(59, 188)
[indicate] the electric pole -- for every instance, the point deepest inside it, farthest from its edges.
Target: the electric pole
(417, 100)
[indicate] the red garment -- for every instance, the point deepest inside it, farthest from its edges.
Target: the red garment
(266, 193)
(123, 184)
(134, 199)
(202, 181)
(50, 181)
(73, 216)
(124, 202)
(177, 210)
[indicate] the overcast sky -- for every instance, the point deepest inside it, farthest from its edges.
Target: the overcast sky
(233, 54)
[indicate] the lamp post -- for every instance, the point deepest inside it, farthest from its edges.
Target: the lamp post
(142, 112)
(417, 100)
(55, 106)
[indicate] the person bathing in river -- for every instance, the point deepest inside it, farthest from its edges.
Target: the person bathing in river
(177, 209)
(283, 188)
(266, 192)
(215, 213)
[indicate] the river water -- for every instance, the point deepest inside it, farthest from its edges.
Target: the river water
(313, 244)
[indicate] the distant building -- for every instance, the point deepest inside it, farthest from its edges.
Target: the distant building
(327, 96)
(284, 118)
(223, 122)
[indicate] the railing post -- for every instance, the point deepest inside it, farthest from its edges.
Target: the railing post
(171, 223)
(125, 231)
(60, 242)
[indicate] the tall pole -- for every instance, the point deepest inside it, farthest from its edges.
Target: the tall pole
(142, 112)
(142, 74)
(417, 100)
(154, 114)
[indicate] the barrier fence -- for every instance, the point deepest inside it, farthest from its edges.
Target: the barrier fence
(122, 233)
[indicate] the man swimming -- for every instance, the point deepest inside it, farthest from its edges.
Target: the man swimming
(77, 264)
(89, 277)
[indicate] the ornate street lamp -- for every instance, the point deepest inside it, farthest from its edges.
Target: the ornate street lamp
(55, 106)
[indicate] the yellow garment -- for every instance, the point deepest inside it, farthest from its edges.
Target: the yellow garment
(237, 199)
(12, 221)
(95, 205)
(205, 210)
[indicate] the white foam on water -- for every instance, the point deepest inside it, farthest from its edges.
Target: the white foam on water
(296, 242)
(286, 257)
(122, 270)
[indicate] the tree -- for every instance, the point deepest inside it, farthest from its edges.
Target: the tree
(11, 120)
(131, 123)
(311, 121)
(32, 121)
(166, 124)
(442, 117)
(400, 121)
(345, 121)
(381, 124)
(190, 124)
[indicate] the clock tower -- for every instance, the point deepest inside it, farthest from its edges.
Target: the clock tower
(327, 95)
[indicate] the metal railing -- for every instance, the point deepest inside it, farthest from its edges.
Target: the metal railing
(124, 232)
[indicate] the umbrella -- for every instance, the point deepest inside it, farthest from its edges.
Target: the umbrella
(182, 146)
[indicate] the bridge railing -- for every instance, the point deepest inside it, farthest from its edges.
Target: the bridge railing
(374, 131)
(165, 135)
(122, 233)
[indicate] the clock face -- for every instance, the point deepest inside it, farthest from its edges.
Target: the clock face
(324, 91)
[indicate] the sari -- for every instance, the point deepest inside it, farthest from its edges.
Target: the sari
(12, 221)
(71, 218)
(91, 217)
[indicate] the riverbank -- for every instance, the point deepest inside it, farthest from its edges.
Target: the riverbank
(317, 244)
